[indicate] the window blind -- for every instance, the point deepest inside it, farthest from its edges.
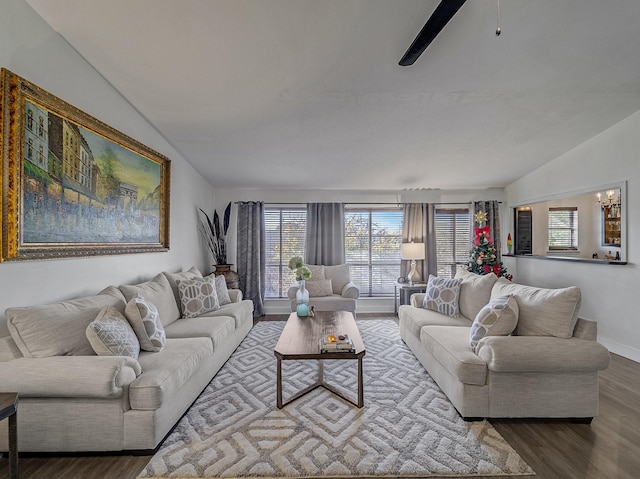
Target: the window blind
(453, 240)
(285, 230)
(563, 228)
(372, 247)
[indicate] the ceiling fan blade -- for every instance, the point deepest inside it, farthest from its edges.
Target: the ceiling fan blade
(439, 18)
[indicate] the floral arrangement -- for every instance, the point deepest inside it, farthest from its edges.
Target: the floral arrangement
(297, 264)
(483, 258)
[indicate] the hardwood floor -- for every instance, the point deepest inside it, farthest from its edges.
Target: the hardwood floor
(607, 448)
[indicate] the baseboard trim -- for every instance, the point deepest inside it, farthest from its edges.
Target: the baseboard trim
(620, 349)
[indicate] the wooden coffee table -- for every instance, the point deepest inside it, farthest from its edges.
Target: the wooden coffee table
(300, 341)
(9, 409)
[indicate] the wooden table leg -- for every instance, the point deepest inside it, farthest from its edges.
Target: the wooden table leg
(360, 384)
(279, 384)
(13, 446)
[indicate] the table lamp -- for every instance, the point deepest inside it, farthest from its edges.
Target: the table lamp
(413, 251)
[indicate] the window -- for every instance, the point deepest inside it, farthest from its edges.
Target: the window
(372, 245)
(563, 228)
(285, 230)
(453, 240)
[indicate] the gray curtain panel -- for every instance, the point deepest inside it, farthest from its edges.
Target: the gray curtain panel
(251, 253)
(492, 208)
(418, 225)
(325, 234)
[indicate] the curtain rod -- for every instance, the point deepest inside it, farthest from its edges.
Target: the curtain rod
(369, 203)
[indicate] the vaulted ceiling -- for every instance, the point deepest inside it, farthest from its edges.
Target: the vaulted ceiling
(309, 93)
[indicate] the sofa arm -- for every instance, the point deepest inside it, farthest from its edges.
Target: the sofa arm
(541, 354)
(235, 295)
(69, 376)
(417, 299)
(351, 291)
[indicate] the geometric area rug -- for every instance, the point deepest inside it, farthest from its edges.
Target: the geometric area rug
(407, 427)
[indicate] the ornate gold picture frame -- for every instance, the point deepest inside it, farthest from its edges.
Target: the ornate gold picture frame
(72, 185)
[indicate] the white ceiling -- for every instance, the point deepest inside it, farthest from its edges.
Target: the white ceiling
(308, 93)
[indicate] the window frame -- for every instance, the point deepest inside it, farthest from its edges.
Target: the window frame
(284, 273)
(572, 228)
(452, 212)
(370, 265)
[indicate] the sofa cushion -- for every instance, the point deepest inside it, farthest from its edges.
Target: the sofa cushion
(241, 312)
(173, 279)
(340, 276)
(59, 329)
(145, 320)
(318, 288)
(475, 291)
(110, 334)
(498, 318)
(450, 344)
(413, 319)
(317, 271)
(216, 328)
(543, 312)
(222, 292)
(157, 291)
(166, 371)
(198, 296)
(442, 295)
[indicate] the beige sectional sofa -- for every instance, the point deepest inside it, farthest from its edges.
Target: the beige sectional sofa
(547, 368)
(74, 400)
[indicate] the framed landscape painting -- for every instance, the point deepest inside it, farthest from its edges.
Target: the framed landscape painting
(72, 185)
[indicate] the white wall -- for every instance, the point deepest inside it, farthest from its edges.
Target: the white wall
(608, 291)
(365, 305)
(31, 49)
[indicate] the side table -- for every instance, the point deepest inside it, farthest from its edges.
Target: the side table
(402, 293)
(9, 409)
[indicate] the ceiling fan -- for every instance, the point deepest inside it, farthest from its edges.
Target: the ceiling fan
(439, 18)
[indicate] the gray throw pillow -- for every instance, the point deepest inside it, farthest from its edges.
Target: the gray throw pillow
(222, 291)
(442, 295)
(198, 296)
(145, 321)
(111, 335)
(498, 318)
(319, 288)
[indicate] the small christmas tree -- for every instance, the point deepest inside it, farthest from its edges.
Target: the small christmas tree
(483, 258)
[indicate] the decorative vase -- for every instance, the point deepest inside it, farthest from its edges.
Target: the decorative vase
(302, 300)
(230, 277)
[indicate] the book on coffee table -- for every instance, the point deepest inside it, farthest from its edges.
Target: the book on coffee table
(336, 344)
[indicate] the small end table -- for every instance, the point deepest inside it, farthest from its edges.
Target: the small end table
(9, 409)
(402, 293)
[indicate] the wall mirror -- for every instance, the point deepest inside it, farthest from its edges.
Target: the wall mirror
(587, 225)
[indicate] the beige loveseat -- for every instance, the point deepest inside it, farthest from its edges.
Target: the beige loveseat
(547, 368)
(73, 400)
(330, 289)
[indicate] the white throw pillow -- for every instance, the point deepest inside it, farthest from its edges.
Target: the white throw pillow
(198, 296)
(111, 335)
(222, 291)
(498, 318)
(145, 321)
(442, 295)
(319, 288)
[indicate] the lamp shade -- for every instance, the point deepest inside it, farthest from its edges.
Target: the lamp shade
(412, 251)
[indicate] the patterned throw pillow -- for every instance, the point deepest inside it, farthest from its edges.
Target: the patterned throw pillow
(221, 290)
(319, 288)
(498, 318)
(442, 295)
(145, 321)
(198, 296)
(111, 335)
